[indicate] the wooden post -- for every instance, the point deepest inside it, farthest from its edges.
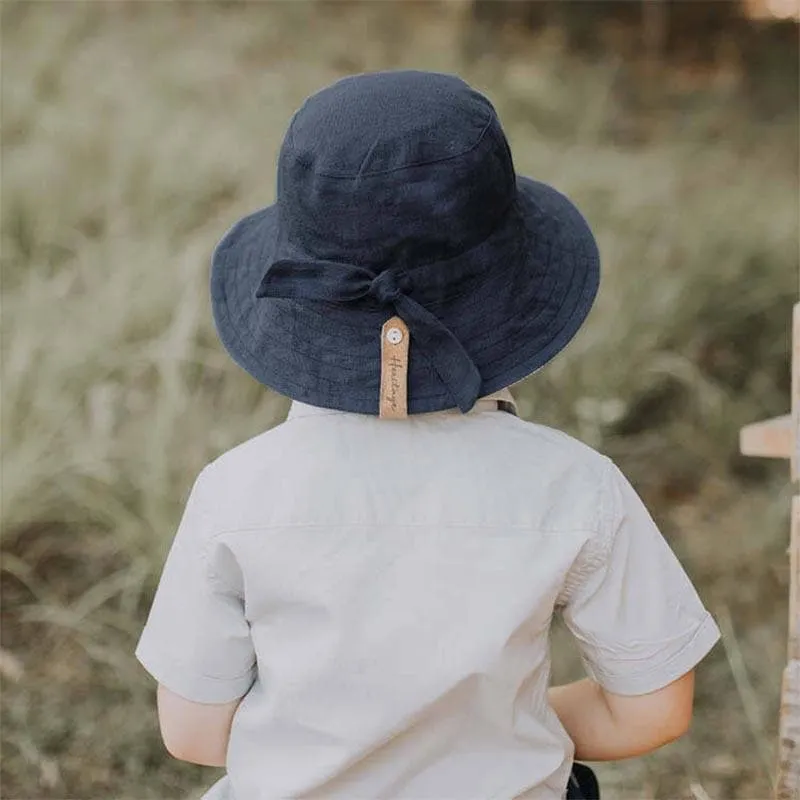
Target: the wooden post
(788, 785)
(780, 438)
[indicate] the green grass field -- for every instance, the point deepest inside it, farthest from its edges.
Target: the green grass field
(135, 133)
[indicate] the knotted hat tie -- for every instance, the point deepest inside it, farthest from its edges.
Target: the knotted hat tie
(335, 282)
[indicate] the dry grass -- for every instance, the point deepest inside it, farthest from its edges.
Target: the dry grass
(135, 133)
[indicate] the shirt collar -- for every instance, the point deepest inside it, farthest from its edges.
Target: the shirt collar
(488, 403)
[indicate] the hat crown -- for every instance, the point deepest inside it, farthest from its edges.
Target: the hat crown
(376, 123)
(393, 168)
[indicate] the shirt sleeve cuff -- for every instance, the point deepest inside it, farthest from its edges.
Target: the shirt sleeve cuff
(190, 685)
(705, 636)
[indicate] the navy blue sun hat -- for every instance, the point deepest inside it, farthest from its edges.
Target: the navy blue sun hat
(397, 195)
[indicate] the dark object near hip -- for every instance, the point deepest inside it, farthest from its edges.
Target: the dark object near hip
(583, 784)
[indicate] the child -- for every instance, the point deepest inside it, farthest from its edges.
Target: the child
(357, 603)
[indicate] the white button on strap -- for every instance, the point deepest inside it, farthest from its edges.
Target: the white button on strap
(394, 336)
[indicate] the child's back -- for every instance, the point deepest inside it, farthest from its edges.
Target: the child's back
(398, 581)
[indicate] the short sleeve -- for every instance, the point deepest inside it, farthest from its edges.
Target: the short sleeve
(196, 640)
(637, 619)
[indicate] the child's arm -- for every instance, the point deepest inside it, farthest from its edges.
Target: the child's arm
(606, 726)
(196, 643)
(195, 732)
(640, 627)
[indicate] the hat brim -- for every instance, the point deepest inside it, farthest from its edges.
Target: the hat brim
(512, 318)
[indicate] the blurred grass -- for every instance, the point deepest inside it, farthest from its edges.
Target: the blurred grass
(134, 134)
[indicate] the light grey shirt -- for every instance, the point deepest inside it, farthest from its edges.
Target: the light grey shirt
(381, 593)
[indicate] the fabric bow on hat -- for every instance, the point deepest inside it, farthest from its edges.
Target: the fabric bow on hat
(334, 282)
